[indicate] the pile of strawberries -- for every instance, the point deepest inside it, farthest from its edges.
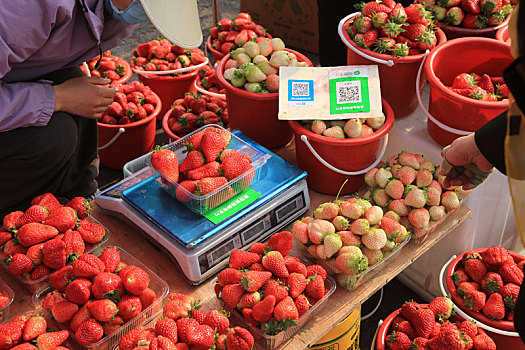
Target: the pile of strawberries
(389, 28)
(96, 295)
(132, 102)
(473, 14)
(229, 34)
(349, 237)
(209, 166)
(421, 326)
(340, 129)
(254, 67)
(31, 332)
(412, 188)
(184, 325)
(489, 283)
(196, 110)
(271, 289)
(4, 299)
(47, 236)
(162, 55)
(110, 67)
(480, 87)
(207, 79)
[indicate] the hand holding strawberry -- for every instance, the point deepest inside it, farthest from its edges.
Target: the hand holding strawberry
(110, 67)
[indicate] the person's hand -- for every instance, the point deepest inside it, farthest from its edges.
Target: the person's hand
(84, 96)
(463, 164)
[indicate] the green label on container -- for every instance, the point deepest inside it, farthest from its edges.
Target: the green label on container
(349, 95)
(232, 206)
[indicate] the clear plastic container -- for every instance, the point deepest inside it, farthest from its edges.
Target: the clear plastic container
(156, 283)
(203, 204)
(274, 341)
(34, 285)
(8, 292)
(352, 282)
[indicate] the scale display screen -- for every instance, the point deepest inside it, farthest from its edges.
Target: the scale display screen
(290, 208)
(253, 232)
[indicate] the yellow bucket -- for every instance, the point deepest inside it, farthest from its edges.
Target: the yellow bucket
(343, 336)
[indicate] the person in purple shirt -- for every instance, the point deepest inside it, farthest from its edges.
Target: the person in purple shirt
(48, 108)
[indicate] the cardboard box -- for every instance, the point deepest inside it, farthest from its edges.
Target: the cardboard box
(294, 21)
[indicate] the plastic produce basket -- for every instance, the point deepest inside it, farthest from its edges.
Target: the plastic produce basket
(203, 204)
(34, 285)
(274, 341)
(8, 292)
(156, 283)
(352, 282)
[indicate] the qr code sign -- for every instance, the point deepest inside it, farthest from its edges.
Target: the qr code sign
(300, 89)
(348, 92)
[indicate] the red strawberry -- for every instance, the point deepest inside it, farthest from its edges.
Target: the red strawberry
(103, 310)
(39, 272)
(147, 297)
(12, 247)
(212, 144)
(510, 293)
(240, 259)
(210, 184)
(302, 304)
(252, 281)
(63, 311)
(229, 276)
(35, 213)
(415, 13)
(483, 341)
(273, 261)
(239, 338)
(88, 266)
(296, 266)
(51, 340)
(19, 264)
(48, 201)
(370, 37)
(79, 291)
(315, 287)
(442, 307)
(511, 273)
(407, 328)
(494, 255)
(286, 309)
(81, 315)
(218, 319)
(63, 219)
(258, 248)
(372, 7)
(296, 282)
(89, 332)
(9, 222)
(464, 81)
(398, 340)
(108, 285)
(466, 287)
(129, 307)
(476, 269)
(311, 270)
(166, 162)
(33, 233)
(469, 328)
(459, 276)
(167, 327)
(449, 339)
(111, 258)
(211, 169)
(263, 310)
(54, 253)
(475, 300)
(491, 283)
(486, 84)
(471, 6)
(235, 166)
(503, 90)
(194, 159)
(189, 186)
(60, 279)
(135, 279)
(74, 244)
(184, 327)
(198, 105)
(231, 294)
(91, 232)
(33, 327)
(277, 289)
(494, 307)
(281, 242)
(35, 253)
(130, 339)
(4, 237)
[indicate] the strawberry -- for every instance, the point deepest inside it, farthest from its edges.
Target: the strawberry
(35, 213)
(54, 253)
(79, 291)
(263, 310)
(194, 159)
(286, 310)
(483, 341)
(372, 7)
(491, 283)
(218, 319)
(19, 264)
(80, 316)
(91, 232)
(370, 37)
(297, 283)
(107, 285)
(134, 279)
(486, 84)
(166, 162)
(113, 325)
(296, 267)
(33, 327)
(63, 219)
(4, 237)
(469, 328)
(281, 242)
(465, 287)
(442, 308)
(240, 259)
(198, 105)
(459, 276)
(503, 90)
(495, 256)
(202, 337)
(51, 340)
(415, 197)
(258, 248)
(475, 300)
(257, 267)
(39, 272)
(464, 81)
(302, 304)
(111, 258)
(35, 253)
(398, 13)
(449, 339)
(229, 276)
(129, 307)
(88, 266)
(398, 340)
(273, 261)
(89, 332)
(9, 221)
(60, 279)
(210, 184)
(75, 245)
(276, 289)
(423, 322)
(511, 273)
(189, 186)
(211, 169)
(407, 328)
(167, 327)
(315, 287)
(213, 142)
(471, 6)
(239, 338)
(494, 307)
(130, 339)
(419, 218)
(254, 280)
(103, 310)
(184, 327)
(33, 233)
(415, 13)
(63, 311)
(231, 294)
(147, 297)
(235, 166)
(510, 293)
(47, 200)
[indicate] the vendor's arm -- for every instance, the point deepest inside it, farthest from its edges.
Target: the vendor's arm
(490, 140)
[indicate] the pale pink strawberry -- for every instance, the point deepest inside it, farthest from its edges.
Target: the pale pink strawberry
(360, 226)
(420, 159)
(341, 223)
(408, 159)
(426, 165)
(419, 218)
(320, 252)
(334, 132)
(391, 227)
(416, 198)
(349, 239)
(373, 255)
(423, 178)
(272, 81)
(326, 211)
(374, 239)
(300, 231)
(450, 200)
(392, 215)
(374, 214)
(312, 250)
(394, 170)
(395, 188)
(370, 177)
(406, 174)
(403, 234)
(380, 197)
(399, 207)
(382, 176)
(436, 212)
(351, 210)
(433, 196)
(318, 127)
(366, 130)
(353, 127)
(332, 243)
(435, 184)
(318, 229)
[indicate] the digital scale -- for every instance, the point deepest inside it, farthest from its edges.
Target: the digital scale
(200, 247)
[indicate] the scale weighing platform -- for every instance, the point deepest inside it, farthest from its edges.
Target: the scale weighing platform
(200, 247)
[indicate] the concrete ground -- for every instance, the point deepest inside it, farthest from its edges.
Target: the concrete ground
(395, 293)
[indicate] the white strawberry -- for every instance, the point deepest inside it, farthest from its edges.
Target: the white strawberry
(258, 59)
(351, 210)
(395, 189)
(278, 44)
(380, 197)
(366, 130)
(450, 200)
(326, 211)
(436, 212)
(272, 82)
(416, 198)
(373, 255)
(419, 158)
(434, 196)
(419, 218)
(243, 58)
(360, 226)
(363, 203)
(335, 132)
(423, 178)
(349, 239)
(374, 214)
(392, 228)
(389, 246)
(320, 251)
(370, 177)
(341, 223)
(399, 207)
(394, 170)
(403, 235)
(351, 262)
(265, 47)
(252, 49)
(318, 127)
(409, 159)
(279, 58)
(406, 174)
(318, 229)
(353, 128)
(300, 231)
(375, 238)
(393, 160)
(332, 243)
(266, 68)
(254, 74)
(435, 184)
(228, 73)
(376, 123)
(427, 166)
(392, 215)
(235, 53)
(382, 176)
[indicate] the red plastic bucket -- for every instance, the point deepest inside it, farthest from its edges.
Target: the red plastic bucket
(382, 333)
(453, 32)
(451, 115)
(392, 70)
(503, 332)
(124, 78)
(256, 114)
(503, 34)
(166, 128)
(217, 55)
(118, 144)
(329, 161)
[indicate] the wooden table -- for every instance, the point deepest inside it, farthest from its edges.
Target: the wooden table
(339, 306)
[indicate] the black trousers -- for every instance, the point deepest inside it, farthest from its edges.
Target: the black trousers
(60, 157)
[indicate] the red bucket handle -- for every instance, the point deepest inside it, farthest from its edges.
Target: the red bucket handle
(389, 63)
(112, 141)
(206, 92)
(462, 313)
(425, 111)
(384, 140)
